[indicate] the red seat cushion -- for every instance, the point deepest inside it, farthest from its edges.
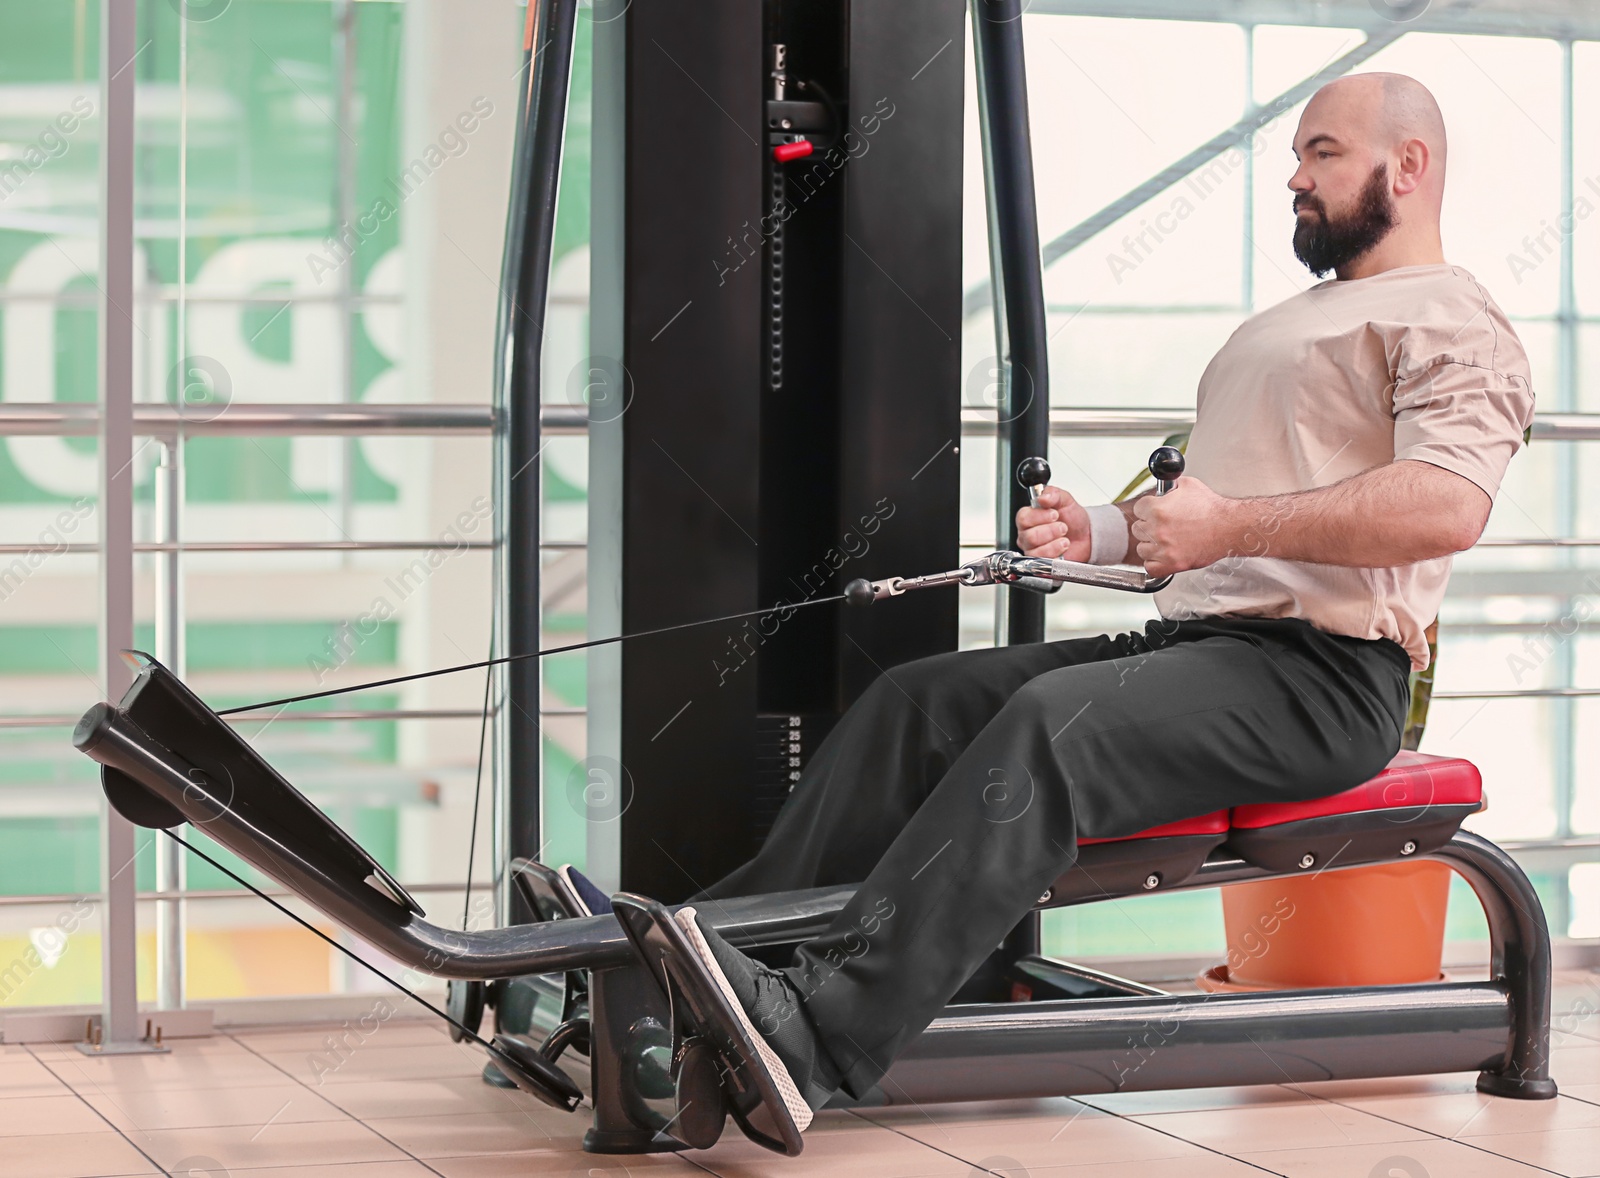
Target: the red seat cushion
(1411, 780)
(1216, 823)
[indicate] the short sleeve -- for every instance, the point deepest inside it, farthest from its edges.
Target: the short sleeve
(1465, 417)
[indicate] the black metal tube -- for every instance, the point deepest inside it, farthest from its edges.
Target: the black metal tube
(108, 735)
(1083, 1046)
(525, 278)
(1025, 416)
(1519, 956)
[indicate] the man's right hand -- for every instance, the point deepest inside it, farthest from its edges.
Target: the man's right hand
(1058, 528)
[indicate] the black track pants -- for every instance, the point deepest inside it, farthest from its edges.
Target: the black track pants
(957, 786)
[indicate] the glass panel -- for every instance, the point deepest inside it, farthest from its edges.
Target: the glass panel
(1501, 98)
(1585, 225)
(1586, 723)
(571, 377)
(1179, 246)
(338, 240)
(49, 840)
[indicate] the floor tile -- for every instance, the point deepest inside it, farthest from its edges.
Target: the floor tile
(1571, 1152)
(22, 1075)
(130, 1109)
(863, 1152)
(1183, 1100)
(1472, 1114)
(1429, 1158)
(366, 1099)
(73, 1155)
(242, 1147)
(572, 1165)
(405, 1169)
(1074, 1134)
(901, 1115)
(224, 1099)
(374, 1061)
(1310, 1124)
(26, 1116)
(392, 1033)
(461, 1134)
(1209, 1165)
(146, 1072)
(1384, 1087)
(1575, 1065)
(1575, 1017)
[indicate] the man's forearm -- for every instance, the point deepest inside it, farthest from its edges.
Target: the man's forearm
(1390, 515)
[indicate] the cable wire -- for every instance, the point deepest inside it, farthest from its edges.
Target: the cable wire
(514, 658)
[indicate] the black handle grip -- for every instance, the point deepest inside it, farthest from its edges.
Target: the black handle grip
(1166, 464)
(1033, 472)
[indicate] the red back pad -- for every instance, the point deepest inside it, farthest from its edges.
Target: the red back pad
(1411, 779)
(1215, 823)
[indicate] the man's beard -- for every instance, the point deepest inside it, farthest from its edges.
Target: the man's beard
(1325, 244)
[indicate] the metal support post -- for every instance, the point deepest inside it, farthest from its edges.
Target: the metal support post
(119, 1016)
(171, 873)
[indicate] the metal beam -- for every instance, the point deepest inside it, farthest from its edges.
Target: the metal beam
(119, 1017)
(1025, 427)
(1558, 19)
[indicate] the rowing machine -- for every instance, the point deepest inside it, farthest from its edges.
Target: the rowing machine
(168, 759)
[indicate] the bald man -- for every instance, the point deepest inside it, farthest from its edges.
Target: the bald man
(1346, 443)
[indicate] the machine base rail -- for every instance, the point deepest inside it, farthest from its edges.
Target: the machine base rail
(1101, 1045)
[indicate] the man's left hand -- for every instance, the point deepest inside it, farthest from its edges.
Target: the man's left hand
(1189, 527)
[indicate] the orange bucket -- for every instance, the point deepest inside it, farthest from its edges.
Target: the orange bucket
(1365, 926)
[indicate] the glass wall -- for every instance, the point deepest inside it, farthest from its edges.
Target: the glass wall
(321, 196)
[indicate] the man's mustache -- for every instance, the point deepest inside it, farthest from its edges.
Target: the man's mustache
(1309, 202)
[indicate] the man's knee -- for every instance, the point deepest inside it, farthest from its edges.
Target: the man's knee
(1062, 693)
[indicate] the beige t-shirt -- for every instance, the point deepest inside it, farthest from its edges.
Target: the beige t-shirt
(1414, 363)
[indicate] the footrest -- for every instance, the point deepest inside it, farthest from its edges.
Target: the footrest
(547, 892)
(222, 773)
(709, 1018)
(533, 1073)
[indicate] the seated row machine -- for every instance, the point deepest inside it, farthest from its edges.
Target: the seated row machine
(167, 758)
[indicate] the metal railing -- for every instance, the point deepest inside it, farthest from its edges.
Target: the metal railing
(979, 422)
(168, 425)
(256, 419)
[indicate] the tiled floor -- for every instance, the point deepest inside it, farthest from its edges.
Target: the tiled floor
(405, 1101)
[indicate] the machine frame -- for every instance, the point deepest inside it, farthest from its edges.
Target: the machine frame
(169, 759)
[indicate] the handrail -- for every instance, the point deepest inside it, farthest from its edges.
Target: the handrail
(73, 419)
(1110, 422)
(23, 900)
(22, 720)
(259, 419)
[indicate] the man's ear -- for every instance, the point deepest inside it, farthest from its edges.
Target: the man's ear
(1411, 166)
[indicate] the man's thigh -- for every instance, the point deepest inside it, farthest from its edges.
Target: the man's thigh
(961, 691)
(1192, 728)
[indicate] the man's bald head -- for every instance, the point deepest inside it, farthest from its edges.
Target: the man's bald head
(1372, 153)
(1388, 109)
